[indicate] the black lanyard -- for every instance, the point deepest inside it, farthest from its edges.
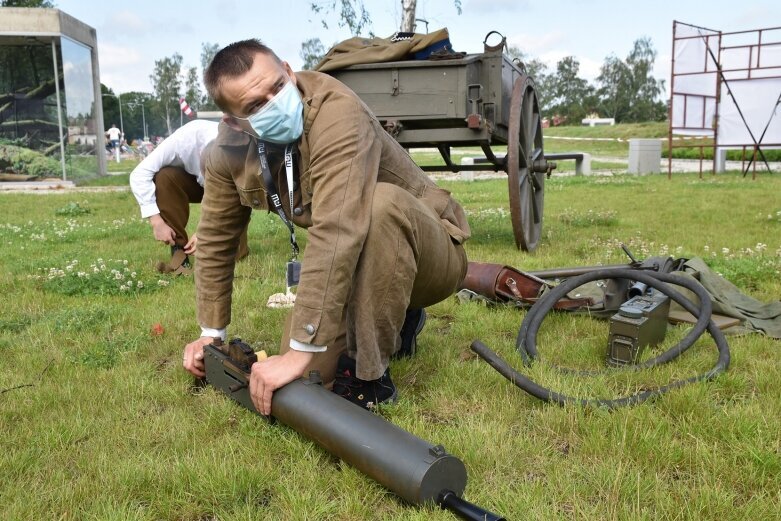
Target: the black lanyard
(271, 188)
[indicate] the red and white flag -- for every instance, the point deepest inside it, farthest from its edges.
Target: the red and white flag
(188, 111)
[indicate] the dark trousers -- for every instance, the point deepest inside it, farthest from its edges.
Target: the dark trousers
(408, 261)
(175, 190)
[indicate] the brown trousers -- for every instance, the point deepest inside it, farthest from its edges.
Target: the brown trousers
(175, 189)
(408, 261)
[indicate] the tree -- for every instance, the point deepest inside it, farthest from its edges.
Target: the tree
(110, 106)
(312, 51)
(538, 70)
(167, 86)
(26, 3)
(193, 92)
(137, 110)
(408, 8)
(627, 90)
(352, 14)
(208, 50)
(571, 95)
(613, 88)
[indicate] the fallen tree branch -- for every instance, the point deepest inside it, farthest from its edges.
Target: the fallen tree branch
(17, 387)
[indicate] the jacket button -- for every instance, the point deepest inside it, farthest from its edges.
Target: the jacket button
(298, 211)
(255, 202)
(310, 329)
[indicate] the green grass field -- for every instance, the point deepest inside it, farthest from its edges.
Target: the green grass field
(98, 420)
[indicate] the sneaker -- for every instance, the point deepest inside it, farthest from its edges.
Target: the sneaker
(414, 321)
(365, 393)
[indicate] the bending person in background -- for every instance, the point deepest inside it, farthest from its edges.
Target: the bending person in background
(167, 181)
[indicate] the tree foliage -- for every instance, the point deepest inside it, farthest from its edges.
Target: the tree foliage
(539, 72)
(193, 93)
(166, 80)
(26, 3)
(570, 95)
(627, 90)
(312, 51)
(208, 50)
(351, 14)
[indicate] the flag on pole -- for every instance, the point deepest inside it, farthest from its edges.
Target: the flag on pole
(188, 111)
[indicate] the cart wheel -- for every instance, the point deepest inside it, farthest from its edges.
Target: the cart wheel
(526, 165)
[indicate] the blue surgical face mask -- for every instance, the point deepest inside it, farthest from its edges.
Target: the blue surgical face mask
(281, 119)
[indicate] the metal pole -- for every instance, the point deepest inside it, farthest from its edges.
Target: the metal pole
(121, 125)
(143, 121)
(59, 110)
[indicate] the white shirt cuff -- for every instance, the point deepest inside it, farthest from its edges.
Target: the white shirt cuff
(148, 210)
(309, 348)
(214, 333)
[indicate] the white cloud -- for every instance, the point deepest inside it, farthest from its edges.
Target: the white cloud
(756, 16)
(128, 21)
(496, 6)
(589, 68)
(124, 68)
(535, 44)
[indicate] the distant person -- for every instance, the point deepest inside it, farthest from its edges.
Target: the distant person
(167, 181)
(114, 135)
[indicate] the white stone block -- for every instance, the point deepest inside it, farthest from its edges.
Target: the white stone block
(645, 156)
(467, 175)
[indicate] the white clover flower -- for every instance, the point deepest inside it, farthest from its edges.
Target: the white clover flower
(706, 248)
(133, 274)
(162, 283)
(725, 251)
(140, 284)
(123, 288)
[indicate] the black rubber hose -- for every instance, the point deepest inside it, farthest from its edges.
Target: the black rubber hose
(526, 342)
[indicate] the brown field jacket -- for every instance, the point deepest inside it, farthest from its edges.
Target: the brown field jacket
(343, 153)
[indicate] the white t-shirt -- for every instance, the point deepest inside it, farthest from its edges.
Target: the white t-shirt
(113, 133)
(183, 148)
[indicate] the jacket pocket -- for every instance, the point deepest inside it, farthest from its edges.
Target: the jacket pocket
(252, 197)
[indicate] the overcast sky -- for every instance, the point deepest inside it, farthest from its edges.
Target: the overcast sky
(132, 35)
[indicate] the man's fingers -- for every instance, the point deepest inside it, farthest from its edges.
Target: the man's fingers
(267, 394)
(192, 359)
(257, 396)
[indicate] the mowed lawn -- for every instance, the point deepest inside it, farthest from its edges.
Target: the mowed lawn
(98, 421)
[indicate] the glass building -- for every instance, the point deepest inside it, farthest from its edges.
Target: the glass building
(51, 115)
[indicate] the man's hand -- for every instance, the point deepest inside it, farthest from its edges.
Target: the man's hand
(274, 372)
(161, 230)
(189, 248)
(192, 359)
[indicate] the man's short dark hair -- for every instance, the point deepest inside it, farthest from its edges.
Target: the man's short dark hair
(230, 62)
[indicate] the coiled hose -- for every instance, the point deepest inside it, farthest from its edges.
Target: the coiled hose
(527, 336)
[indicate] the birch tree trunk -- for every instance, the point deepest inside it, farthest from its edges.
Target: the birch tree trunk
(408, 15)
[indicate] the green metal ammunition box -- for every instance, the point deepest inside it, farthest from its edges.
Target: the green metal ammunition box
(640, 322)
